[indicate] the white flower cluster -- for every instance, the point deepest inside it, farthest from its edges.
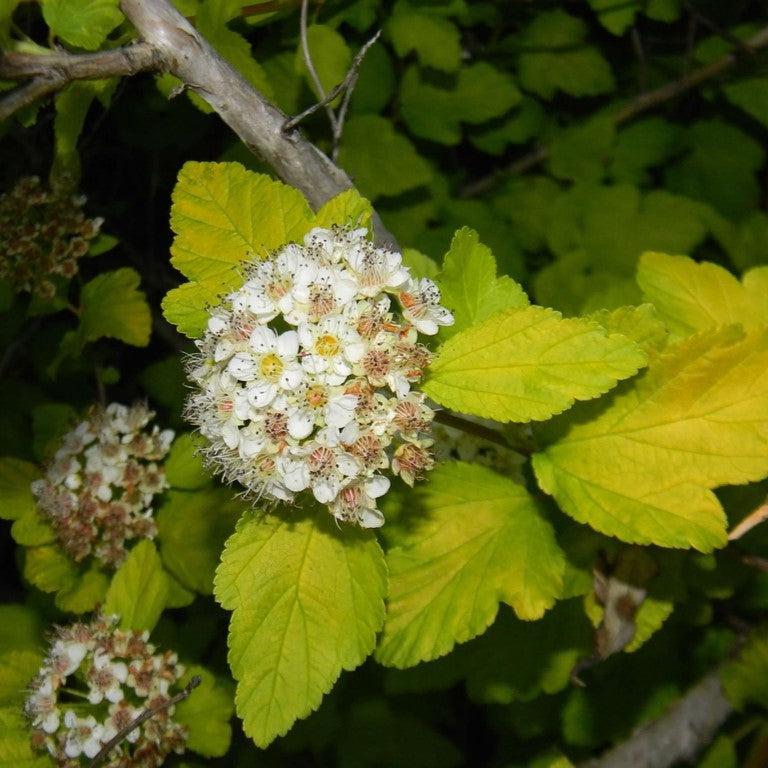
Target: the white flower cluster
(97, 492)
(95, 681)
(305, 375)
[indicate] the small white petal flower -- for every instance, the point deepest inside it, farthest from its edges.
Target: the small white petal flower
(421, 305)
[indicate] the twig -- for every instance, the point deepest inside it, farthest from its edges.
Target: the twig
(139, 719)
(678, 735)
(472, 428)
(638, 106)
(346, 86)
(749, 522)
(755, 561)
(50, 73)
(190, 57)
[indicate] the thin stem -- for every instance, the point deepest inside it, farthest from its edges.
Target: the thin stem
(472, 428)
(148, 713)
(311, 66)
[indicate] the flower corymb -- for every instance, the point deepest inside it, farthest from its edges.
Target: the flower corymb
(98, 491)
(95, 681)
(305, 375)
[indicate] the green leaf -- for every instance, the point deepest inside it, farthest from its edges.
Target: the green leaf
(192, 529)
(745, 679)
(83, 23)
(31, 530)
(522, 125)
(419, 263)
(223, 215)
(393, 168)
(16, 497)
(49, 569)
(527, 202)
(479, 93)
(722, 754)
(366, 741)
(15, 748)
(642, 470)
(726, 180)
(87, 591)
(529, 364)
(206, 714)
(17, 668)
(50, 422)
(554, 57)
(20, 627)
(375, 82)
(643, 145)
(139, 589)
(476, 538)
(615, 17)
(435, 40)
(692, 297)
(308, 602)
(469, 286)
(751, 95)
(519, 660)
(330, 56)
(211, 22)
(184, 466)
(581, 152)
(347, 209)
(111, 305)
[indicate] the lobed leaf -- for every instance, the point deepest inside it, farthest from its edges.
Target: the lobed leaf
(529, 363)
(307, 602)
(206, 714)
(16, 497)
(139, 589)
(643, 469)
(478, 539)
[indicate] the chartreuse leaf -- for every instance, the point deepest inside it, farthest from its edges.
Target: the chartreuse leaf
(528, 364)
(745, 679)
(15, 748)
(480, 540)
(184, 466)
(394, 168)
(50, 422)
(32, 530)
(17, 668)
(139, 589)
(112, 305)
(554, 57)
(641, 324)
(206, 714)
(49, 569)
(469, 285)
(86, 591)
(347, 209)
(644, 468)
(691, 296)
(222, 215)
(615, 17)
(84, 23)
(16, 497)
(308, 601)
(192, 529)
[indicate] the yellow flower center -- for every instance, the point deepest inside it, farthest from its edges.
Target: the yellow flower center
(327, 346)
(271, 366)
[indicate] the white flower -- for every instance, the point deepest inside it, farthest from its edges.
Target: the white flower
(330, 348)
(421, 305)
(301, 368)
(84, 736)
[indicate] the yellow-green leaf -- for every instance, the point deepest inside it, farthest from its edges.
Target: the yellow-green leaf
(347, 209)
(15, 747)
(223, 215)
(691, 296)
(17, 668)
(469, 286)
(477, 539)
(184, 466)
(49, 568)
(112, 305)
(139, 589)
(528, 364)
(308, 601)
(206, 714)
(16, 497)
(84, 23)
(643, 469)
